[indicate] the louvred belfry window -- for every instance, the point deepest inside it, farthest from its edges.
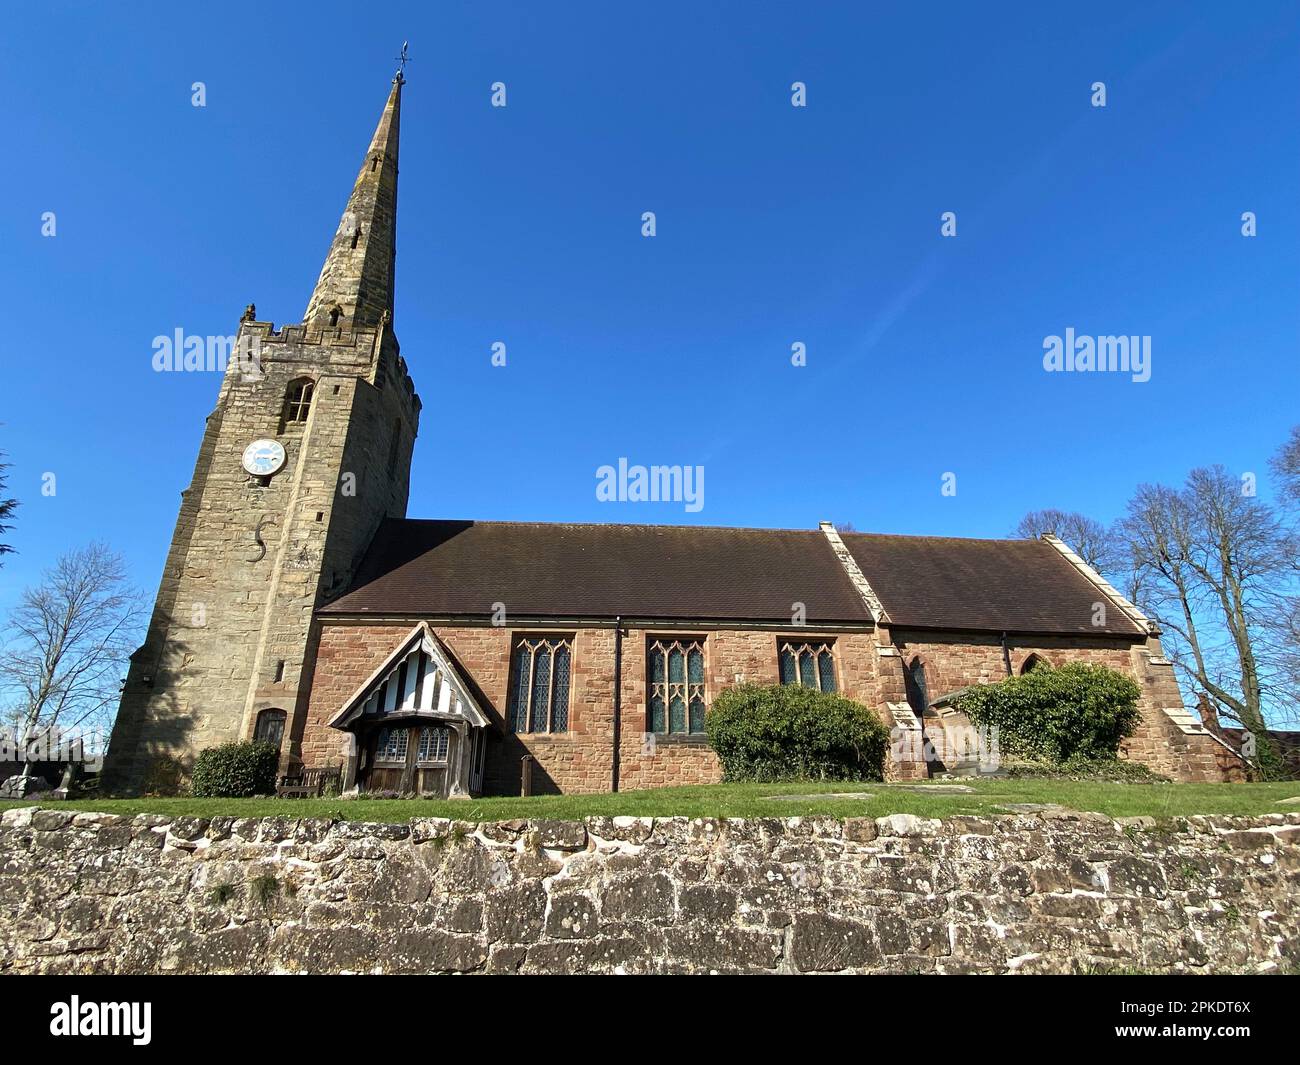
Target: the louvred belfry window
(539, 694)
(676, 685)
(811, 665)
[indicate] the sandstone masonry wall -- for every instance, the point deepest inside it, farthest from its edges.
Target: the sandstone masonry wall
(954, 660)
(85, 892)
(867, 670)
(229, 633)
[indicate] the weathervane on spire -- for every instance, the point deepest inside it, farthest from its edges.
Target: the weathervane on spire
(402, 60)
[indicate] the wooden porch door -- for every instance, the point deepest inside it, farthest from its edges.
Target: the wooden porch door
(410, 759)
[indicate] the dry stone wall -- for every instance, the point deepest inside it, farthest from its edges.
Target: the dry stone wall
(1043, 892)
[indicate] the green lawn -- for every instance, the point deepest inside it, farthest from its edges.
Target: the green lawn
(754, 800)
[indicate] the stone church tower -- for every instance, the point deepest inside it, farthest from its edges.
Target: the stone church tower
(308, 450)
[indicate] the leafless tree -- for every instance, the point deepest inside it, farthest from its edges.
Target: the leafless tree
(1210, 566)
(7, 506)
(1089, 538)
(66, 645)
(1286, 467)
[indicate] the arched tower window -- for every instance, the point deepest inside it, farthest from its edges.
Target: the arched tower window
(337, 312)
(297, 401)
(270, 727)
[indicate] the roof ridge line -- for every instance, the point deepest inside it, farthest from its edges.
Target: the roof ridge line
(697, 528)
(603, 524)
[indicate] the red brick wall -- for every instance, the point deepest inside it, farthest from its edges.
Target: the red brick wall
(581, 759)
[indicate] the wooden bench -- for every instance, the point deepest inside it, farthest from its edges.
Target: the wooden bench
(306, 783)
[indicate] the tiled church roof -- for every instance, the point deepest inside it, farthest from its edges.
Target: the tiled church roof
(983, 585)
(564, 570)
(463, 568)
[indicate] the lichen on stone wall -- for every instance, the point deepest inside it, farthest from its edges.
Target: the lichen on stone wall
(1042, 892)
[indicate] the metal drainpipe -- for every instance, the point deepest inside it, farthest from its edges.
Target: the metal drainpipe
(618, 700)
(1006, 654)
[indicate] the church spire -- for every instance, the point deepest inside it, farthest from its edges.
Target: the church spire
(356, 283)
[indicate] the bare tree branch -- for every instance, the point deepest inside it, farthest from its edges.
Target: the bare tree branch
(67, 643)
(1212, 566)
(1089, 538)
(7, 506)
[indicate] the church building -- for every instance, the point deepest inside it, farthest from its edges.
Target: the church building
(299, 604)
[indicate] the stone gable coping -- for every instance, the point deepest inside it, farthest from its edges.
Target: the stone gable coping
(856, 577)
(1135, 615)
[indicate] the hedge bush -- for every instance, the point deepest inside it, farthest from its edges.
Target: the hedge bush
(1077, 712)
(794, 733)
(235, 771)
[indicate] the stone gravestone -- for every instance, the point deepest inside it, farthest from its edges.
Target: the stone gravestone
(20, 786)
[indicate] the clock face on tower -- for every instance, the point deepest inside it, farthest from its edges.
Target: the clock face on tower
(263, 457)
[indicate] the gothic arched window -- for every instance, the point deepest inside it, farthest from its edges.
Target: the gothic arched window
(297, 401)
(918, 691)
(676, 685)
(1034, 661)
(811, 665)
(270, 727)
(539, 696)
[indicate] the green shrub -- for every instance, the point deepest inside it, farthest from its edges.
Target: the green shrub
(235, 771)
(794, 733)
(1079, 712)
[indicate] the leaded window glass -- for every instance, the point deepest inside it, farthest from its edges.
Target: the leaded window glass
(391, 745)
(433, 743)
(675, 670)
(539, 696)
(811, 665)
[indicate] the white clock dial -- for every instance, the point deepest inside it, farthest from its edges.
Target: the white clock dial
(263, 457)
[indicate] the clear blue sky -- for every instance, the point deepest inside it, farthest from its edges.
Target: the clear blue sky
(775, 225)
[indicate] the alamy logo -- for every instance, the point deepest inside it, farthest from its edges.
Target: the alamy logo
(952, 745)
(134, 1019)
(182, 353)
(55, 744)
(1088, 354)
(653, 484)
